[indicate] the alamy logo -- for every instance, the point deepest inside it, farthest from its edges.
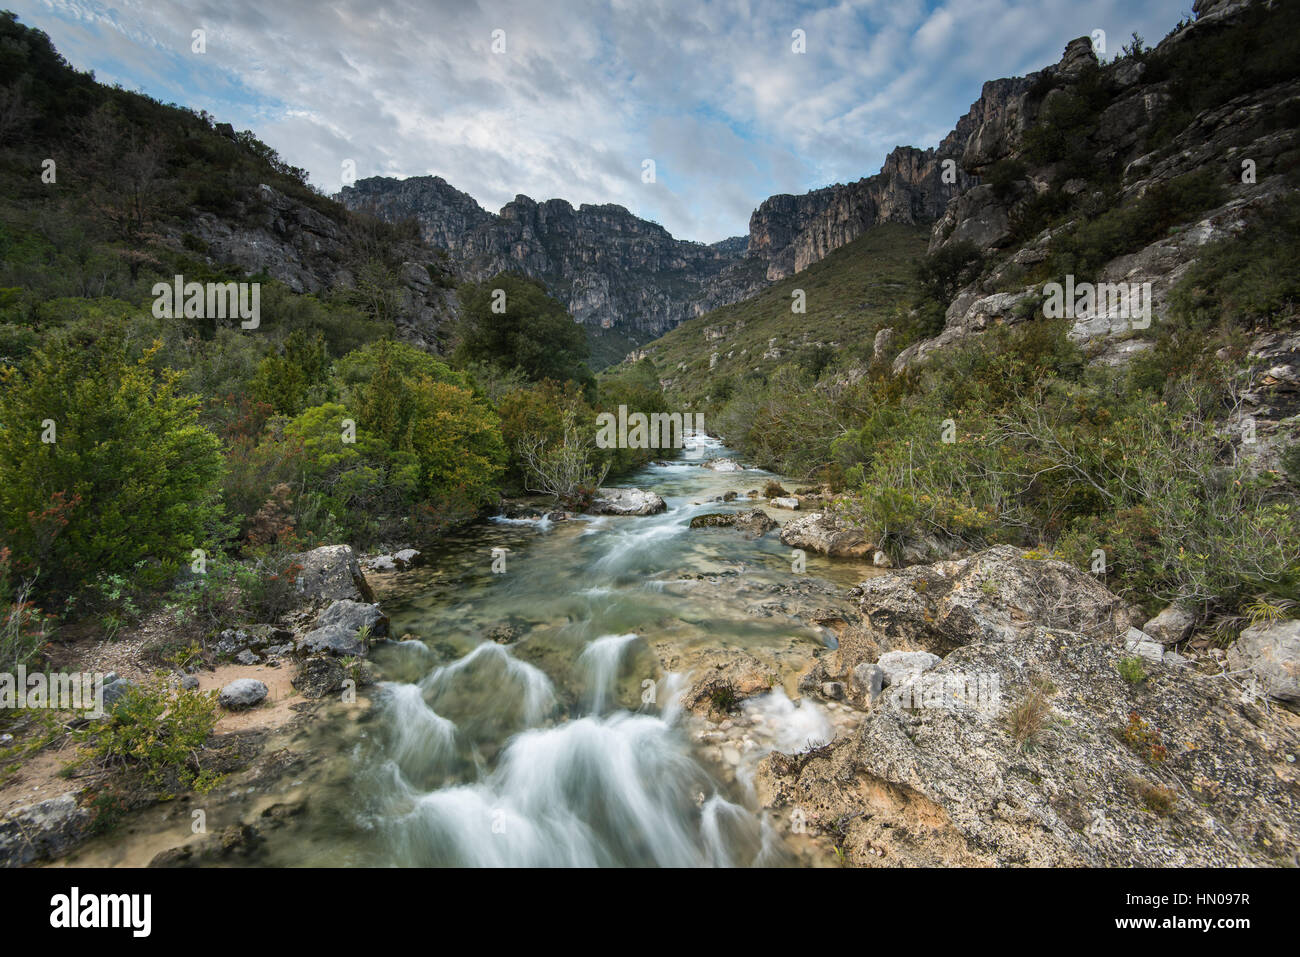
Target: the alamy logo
(1128, 301)
(213, 300)
(74, 910)
(658, 430)
(60, 692)
(951, 691)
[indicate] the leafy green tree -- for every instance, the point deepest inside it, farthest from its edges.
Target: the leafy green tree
(103, 462)
(511, 322)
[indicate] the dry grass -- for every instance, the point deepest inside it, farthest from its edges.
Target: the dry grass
(1029, 719)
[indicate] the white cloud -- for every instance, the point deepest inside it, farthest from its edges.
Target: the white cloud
(586, 90)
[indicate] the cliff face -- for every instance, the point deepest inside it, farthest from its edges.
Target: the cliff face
(790, 233)
(609, 267)
(1135, 97)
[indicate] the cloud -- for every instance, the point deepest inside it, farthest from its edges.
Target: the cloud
(584, 91)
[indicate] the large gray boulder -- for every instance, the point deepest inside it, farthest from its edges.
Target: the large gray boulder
(626, 501)
(242, 693)
(42, 831)
(826, 534)
(339, 628)
(331, 573)
(1270, 652)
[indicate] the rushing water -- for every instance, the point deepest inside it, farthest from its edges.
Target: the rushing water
(525, 718)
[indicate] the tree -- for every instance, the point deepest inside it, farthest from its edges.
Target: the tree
(103, 463)
(511, 322)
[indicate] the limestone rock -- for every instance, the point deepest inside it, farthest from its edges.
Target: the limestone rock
(332, 573)
(339, 628)
(1271, 652)
(626, 501)
(242, 693)
(826, 534)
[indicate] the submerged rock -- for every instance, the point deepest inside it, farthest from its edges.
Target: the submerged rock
(626, 501)
(753, 522)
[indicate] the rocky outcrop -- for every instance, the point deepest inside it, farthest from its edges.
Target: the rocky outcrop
(274, 234)
(1025, 744)
(610, 268)
(1135, 103)
(790, 233)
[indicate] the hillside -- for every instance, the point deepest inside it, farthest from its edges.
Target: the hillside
(849, 296)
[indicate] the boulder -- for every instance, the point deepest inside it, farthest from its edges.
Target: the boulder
(1139, 643)
(826, 534)
(331, 573)
(626, 501)
(407, 558)
(785, 502)
(724, 465)
(242, 693)
(338, 628)
(1170, 626)
(42, 831)
(114, 688)
(318, 676)
(753, 522)
(1270, 651)
(866, 683)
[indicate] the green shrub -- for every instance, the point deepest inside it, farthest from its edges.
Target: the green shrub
(1131, 670)
(157, 732)
(131, 476)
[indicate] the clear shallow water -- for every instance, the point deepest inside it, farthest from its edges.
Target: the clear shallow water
(564, 747)
(525, 718)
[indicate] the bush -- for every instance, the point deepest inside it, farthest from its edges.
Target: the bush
(945, 271)
(131, 476)
(158, 733)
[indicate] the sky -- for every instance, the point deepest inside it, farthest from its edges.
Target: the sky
(574, 99)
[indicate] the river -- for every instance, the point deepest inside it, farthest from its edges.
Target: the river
(529, 715)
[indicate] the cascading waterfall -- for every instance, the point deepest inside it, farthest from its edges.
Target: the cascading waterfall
(527, 754)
